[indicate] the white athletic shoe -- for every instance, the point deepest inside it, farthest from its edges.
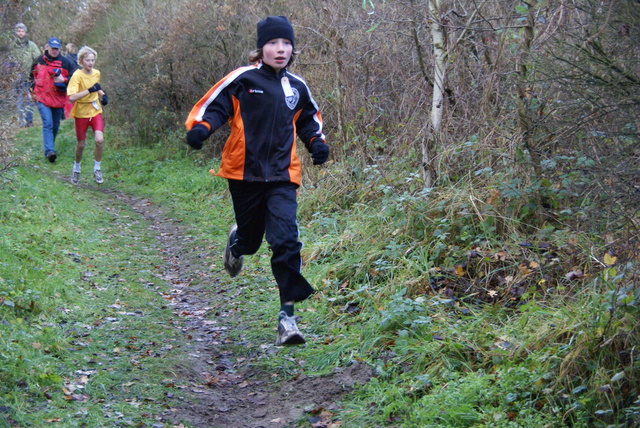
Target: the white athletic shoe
(232, 264)
(98, 176)
(288, 333)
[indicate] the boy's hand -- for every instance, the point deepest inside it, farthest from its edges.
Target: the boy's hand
(197, 135)
(105, 100)
(319, 152)
(94, 88)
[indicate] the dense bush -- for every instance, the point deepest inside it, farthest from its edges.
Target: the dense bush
(546, 136)
(540, 100)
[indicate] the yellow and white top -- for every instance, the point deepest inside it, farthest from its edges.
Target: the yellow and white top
(89, 105)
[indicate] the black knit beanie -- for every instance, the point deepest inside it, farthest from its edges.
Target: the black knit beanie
(274, 27)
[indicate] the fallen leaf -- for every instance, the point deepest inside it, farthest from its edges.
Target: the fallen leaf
(575, 274)
(605, 388)
(351, 308)
(503, 344)
(134, 403)
(524, 269)
(494, 194)
(610, 260)
(500, 255)
(82, 398)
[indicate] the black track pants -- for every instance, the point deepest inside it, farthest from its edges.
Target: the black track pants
(269, 209)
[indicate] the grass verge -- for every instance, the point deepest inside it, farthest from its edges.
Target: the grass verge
(80, 323)
(84, 337)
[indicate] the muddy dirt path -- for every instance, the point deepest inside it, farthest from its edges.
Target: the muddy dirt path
(220, 390)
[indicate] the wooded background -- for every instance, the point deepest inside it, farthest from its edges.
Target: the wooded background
(537, 101)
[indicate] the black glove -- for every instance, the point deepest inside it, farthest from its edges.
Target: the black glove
(95, 88)
(105, 100)
(197, 135)
(319, 152)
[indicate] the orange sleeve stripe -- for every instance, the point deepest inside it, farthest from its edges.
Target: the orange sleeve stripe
(295, 166)
(197, 112)
(234, 152)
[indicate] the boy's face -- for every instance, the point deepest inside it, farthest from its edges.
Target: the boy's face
(277, 53)
(88, 61)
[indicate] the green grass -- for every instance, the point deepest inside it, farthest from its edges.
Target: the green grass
(501, 339)
(83, 327)
(77, 296)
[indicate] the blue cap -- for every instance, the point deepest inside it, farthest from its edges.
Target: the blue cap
(54, 43)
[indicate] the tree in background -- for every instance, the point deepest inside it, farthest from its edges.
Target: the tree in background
(592, 66)
(532, 99)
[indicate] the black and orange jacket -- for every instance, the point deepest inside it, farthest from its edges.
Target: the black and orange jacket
(265, 110)
(42, 84)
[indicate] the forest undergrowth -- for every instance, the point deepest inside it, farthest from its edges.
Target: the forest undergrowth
(466, 315)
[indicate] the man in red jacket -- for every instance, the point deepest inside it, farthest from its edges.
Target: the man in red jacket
(49, 76)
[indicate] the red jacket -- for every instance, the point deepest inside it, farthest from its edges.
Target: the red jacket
(42, 72)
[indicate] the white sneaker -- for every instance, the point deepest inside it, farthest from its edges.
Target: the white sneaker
(288, 333)
(232, 264)
(98, 176)
(75, 177)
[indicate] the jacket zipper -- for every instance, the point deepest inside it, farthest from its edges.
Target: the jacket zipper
(273, 126)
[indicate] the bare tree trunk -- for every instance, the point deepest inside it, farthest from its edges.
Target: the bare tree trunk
(440, 58)
(339, 70)
(429, 172)
(525, 92)
(416, 40)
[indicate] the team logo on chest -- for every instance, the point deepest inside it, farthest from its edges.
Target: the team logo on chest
(292, 101)
(291, 95)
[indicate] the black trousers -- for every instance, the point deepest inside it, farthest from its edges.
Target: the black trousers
(269, 210)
